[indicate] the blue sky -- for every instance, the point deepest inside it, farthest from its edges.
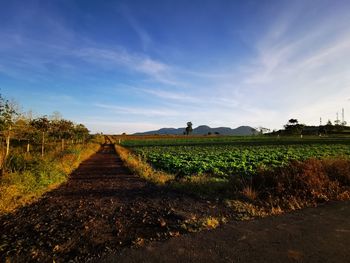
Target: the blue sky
(128, 66)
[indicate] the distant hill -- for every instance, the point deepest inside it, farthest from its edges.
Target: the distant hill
(203, 130)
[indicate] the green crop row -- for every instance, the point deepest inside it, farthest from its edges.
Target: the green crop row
(227, 160)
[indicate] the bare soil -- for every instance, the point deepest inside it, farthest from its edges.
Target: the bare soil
(102, 209)
(310, 235)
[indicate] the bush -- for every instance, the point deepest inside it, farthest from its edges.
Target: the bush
(28, 177)
(309, 182)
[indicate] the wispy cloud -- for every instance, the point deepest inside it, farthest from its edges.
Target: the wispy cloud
(156, 70)
(145, 38)
(150, 112)
(299, 74)
(169, 95)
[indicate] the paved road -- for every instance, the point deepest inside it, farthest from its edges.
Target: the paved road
(311, 235)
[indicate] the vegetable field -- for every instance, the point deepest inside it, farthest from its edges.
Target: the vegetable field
(222, 160)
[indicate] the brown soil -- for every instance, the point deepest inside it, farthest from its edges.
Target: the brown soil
(104, 211)
(310, 235)
(103, 208)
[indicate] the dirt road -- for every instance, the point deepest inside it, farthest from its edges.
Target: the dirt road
(102, 208)
(103, 212)
(319, 234)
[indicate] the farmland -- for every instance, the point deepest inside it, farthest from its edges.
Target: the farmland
(229, 156)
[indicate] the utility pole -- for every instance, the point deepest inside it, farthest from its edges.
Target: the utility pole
(320, 121)
(342, 116)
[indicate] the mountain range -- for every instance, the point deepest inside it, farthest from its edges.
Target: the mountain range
(203, 130)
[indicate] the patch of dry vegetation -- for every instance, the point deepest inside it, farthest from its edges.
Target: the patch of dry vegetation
(143, 169)
(301, 184)
(31, 176)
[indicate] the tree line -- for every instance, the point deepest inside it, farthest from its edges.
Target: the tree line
(293, 127)
(23, 127)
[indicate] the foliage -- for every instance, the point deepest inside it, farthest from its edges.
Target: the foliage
(304, 183)
(143, 169)
(29, 176)
(293, 127)
(18, 128)
(227, 160)
(189, 128)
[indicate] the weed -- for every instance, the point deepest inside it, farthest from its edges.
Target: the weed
(249, 193)
(135, 164)
(28, 177)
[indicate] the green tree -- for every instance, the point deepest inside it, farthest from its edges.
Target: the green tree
(189, 128)
(42, 125)
(81, 133)
(24, 131)
(293, 127)
(292, 122)
(8, 114)
(62, 130)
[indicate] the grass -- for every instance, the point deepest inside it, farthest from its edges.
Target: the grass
(143, 169)
(29, 177)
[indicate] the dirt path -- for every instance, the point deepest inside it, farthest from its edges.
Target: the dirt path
(319, 234)
(101, 209)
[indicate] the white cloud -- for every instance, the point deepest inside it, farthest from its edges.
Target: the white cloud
(170, 95)
(158, 71)
(151, 112)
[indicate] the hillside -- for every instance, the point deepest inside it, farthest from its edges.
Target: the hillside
(203, 130)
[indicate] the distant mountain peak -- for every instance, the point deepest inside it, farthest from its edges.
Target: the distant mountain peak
(203, 130)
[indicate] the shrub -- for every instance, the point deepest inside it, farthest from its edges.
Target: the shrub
(28, 177)
(302, 183)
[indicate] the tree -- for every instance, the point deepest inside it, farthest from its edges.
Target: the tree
(24, 131)
(56, 116)
(189, 128)
(8, 114)
(293, 127)
(262, 130)
(62, 130)
(292, 122)
(42, 124)
(81, 132)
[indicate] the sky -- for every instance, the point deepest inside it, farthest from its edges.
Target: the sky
(132, 66)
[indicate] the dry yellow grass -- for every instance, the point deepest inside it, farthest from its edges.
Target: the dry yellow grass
(143, 169)
(210, 223)
(249, 193)
(19, 189)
